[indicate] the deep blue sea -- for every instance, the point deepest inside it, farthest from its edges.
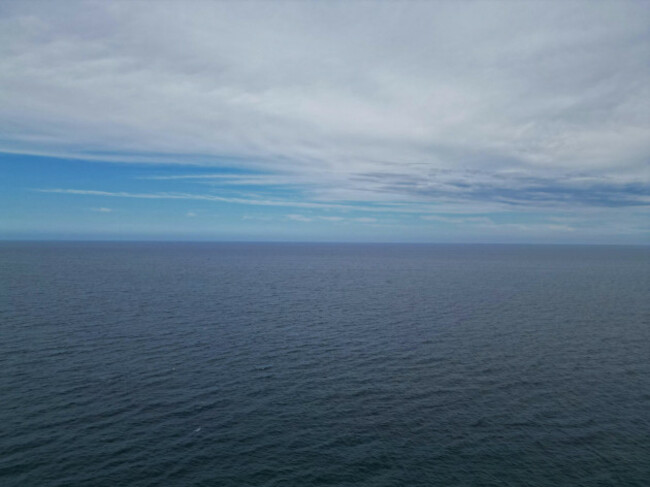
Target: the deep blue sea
(193, 364)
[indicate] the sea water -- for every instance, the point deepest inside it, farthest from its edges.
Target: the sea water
(187, 364)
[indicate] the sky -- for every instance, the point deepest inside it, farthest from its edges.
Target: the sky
(470, 121)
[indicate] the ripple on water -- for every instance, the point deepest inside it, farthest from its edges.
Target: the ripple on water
(215, 364)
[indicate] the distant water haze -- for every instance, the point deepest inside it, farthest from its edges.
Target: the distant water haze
(146, 364)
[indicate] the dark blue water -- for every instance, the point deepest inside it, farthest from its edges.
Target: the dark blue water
(313, 365)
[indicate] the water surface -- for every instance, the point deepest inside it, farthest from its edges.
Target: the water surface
(147, 364)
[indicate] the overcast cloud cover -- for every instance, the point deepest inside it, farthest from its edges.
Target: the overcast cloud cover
(436, 121)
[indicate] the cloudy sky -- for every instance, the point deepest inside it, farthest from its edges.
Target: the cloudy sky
(352, 121)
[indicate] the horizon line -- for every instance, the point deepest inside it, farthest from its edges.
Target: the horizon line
(318, 242)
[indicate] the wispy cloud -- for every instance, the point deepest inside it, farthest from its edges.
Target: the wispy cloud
(235, 179)
(188, 196)
(445, 85)
(332, 219)
(299, 218)
(242, 201)
(102, 210)
(459, 219)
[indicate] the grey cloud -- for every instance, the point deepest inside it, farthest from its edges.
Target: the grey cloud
(513, 188)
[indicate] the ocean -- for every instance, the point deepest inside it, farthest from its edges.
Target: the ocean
(205, 364)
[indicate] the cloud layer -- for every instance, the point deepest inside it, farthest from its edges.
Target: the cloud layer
(454, 103)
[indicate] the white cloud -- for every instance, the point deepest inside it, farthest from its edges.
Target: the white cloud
(190, 214)
(480, 220)
(302, 218)
(198, 197)
(391, 102)
(263, 218)
(241, 201)
(299, 218)
(102, 210)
